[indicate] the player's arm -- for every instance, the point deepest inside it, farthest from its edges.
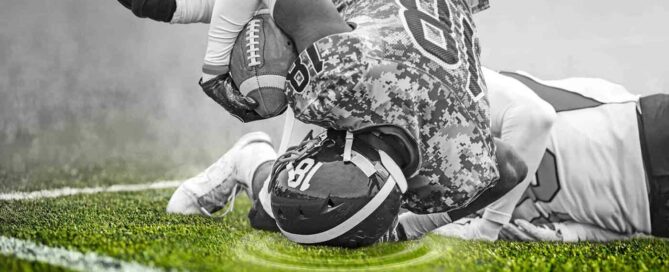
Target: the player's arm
(172, 11)
(522, 120)
(227, 20)
(512, 170)
(569, 231)
(192, 11)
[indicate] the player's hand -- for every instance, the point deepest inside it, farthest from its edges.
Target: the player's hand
(522, 230)
(222, 90)
(468, 229)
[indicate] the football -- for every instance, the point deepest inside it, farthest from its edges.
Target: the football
(259, 63)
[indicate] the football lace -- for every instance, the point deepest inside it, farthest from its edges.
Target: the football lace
(253, 42)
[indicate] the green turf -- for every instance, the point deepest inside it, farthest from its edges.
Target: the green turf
(8, 263)
(134, 227)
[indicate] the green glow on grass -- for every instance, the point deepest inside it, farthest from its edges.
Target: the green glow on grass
(134, 227)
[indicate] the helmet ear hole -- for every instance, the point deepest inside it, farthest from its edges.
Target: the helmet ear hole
(329, 206)
(301, 215)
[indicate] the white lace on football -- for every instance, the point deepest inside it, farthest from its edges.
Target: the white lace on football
(253, 42)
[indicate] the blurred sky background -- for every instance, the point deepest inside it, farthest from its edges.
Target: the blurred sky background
(87, 83)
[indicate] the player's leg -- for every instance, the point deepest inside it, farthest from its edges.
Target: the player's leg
(258, 217)
(212, 189)
(654, 127)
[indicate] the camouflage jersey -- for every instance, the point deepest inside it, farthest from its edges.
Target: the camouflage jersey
(413, 65)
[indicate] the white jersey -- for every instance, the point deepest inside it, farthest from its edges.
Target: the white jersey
(592, 171)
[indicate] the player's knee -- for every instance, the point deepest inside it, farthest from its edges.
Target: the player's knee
(512, 168)
(159, 10)
(260, 176)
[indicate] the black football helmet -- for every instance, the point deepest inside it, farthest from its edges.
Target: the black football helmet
(336, 190)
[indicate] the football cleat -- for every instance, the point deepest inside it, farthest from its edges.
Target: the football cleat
(334, 190)
(211, 190)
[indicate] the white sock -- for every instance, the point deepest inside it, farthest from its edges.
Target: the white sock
(255, 155)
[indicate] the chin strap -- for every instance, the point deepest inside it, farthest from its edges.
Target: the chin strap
(368, 167)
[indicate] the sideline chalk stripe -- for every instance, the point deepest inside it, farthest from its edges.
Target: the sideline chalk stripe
(74, 260)
(67, 191)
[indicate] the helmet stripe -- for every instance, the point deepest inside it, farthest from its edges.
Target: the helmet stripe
(363, 164)
(349, 223)
(394, 170)
(264, 81)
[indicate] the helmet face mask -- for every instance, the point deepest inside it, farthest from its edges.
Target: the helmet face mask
(321, 197)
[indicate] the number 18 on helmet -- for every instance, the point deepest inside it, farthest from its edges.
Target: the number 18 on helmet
(334, 190)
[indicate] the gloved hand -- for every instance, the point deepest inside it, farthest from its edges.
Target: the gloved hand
(522, 230)
(222, 90)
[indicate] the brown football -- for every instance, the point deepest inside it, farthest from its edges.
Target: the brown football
(259, 63)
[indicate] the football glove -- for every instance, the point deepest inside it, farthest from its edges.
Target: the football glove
(222, 90)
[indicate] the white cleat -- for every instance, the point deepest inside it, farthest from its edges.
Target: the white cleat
(212, 189)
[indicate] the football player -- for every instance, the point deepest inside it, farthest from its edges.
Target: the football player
(415, 97)
(605, 171)
(524, 121)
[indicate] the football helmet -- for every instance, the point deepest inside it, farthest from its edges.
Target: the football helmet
(334, 190)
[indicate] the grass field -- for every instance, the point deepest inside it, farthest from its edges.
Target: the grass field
(133, 227)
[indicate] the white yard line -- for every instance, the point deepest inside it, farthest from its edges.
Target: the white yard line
(30, 251)
(75, 260)
(67, 191)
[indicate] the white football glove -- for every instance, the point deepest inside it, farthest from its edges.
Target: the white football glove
(522, 230)
(470, 229)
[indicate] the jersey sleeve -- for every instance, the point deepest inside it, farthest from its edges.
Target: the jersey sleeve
(524, 121)
(478, 5)
(193, 11)
(227, 20)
